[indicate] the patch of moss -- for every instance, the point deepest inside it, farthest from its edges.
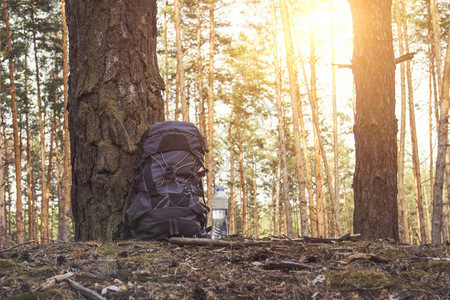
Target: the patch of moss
(359, 278)
(9, 265)
(37, 272)
(109, 251)
(415, 275)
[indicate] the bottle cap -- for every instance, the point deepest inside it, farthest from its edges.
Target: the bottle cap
(220, 188)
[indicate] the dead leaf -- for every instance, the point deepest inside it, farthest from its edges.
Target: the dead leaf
(357, 256)
(95, 244)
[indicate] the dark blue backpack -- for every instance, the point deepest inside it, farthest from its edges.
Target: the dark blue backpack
(163, 200)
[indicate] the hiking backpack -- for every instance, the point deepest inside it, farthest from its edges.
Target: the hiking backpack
(163, 200)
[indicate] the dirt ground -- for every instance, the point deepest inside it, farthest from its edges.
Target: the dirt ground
(235, 269)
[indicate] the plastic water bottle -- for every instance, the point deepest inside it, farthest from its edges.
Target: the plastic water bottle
(219, 213)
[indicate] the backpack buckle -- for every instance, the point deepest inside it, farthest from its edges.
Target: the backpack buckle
(169, 173)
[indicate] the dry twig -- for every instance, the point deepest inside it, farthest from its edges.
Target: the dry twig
(88, 293)
(18, 245)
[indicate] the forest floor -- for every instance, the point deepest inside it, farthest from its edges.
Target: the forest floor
(231, 269)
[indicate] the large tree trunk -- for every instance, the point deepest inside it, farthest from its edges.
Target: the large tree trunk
(114, 96)
(375, 179)
(436, 229)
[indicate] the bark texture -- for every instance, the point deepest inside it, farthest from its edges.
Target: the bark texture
(66, 214)
(375, 179)
(114, 96)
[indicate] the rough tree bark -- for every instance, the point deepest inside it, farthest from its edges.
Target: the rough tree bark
(114, 96)
(375, 178)
(436, 229)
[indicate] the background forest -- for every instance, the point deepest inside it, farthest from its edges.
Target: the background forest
(225, 68)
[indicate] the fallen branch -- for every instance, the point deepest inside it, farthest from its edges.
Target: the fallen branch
(431, 258)
(18, 245)
(52, 281)
(285, 265)
(181, 241)
(88, 293)
(347, 237)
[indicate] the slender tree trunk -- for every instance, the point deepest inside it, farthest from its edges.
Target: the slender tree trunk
(255, 203)
(280, 117)
(316, 123)
(335, 122)
(413, 132)
(277, 222)
(201, 100)
(10, 221)
(401, 200)
(210, 135)
(67, 174)
(7, 189)
(244, 209)
(272, 207)
(28, 165)
(17, 158)
(44, 201)
(320, 195)
(445, 206)
(436, 229)
(436, 42)
(375, 178)
(166, 64)
(34, 204)
(294, 93)
(3, 227)
(233, 227)
(181, 81)
(432, 96)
